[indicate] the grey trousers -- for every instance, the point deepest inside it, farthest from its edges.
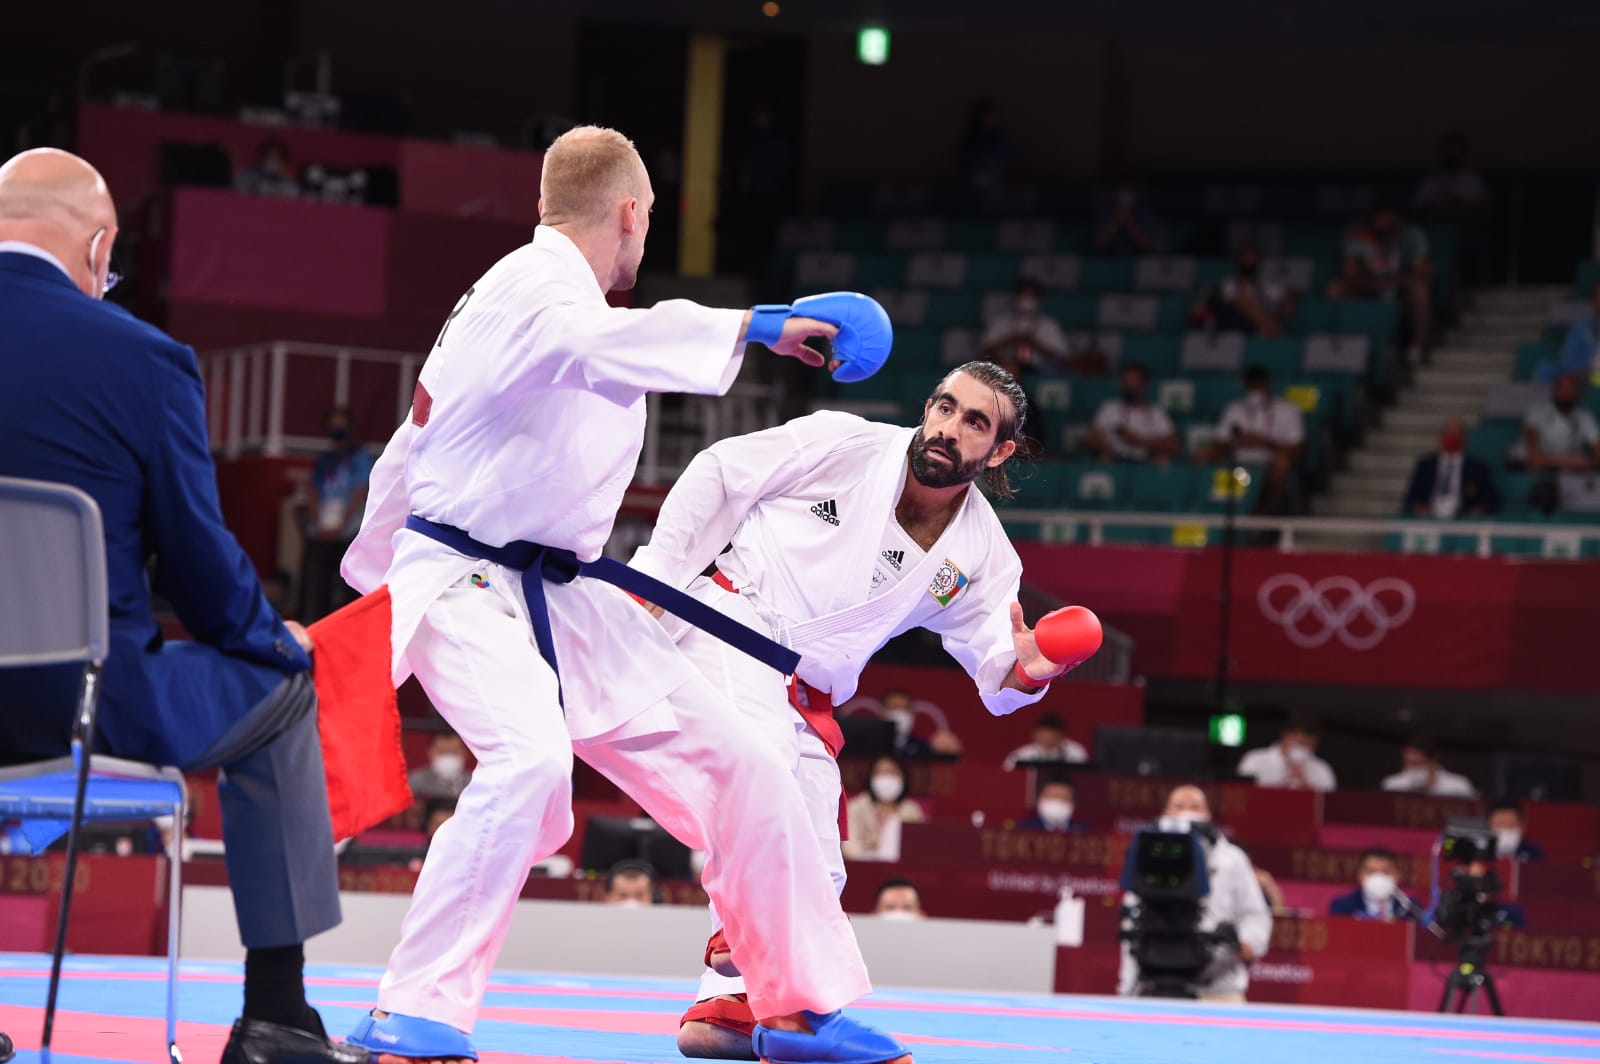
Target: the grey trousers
(276, 830)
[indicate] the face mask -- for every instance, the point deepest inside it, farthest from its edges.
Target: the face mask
(1027, 305)
(887, 787)
(1452, 442)
(898, 915)
(901, 718)
(1566, 406)
(1132, 396)
(1298, 754)
(448, 766)
(630, 903)
(1055, 811)
(1506, 841)
(1182, 824)
(1378, 886)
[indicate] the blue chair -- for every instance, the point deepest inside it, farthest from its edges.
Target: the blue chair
(53, 612)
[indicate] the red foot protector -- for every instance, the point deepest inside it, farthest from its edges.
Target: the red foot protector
(1069, 636)
(732, 1015)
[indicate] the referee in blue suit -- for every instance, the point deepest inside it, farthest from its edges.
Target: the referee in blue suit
(92, 397)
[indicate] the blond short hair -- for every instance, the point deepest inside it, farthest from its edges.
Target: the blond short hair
(587, 171)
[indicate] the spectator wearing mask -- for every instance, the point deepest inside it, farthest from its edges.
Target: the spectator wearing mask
(1050, 743)
(336, 494)
(1388, 259)
(1024, 338)
(1580, 352)
(1236, 899)
(899, 899)
(1422, 773)
(1125, 223)
(1451, 483)
(1377, 895)
(1559, 435)
(631, 884)
(1244, 303)
(1131, 428)
(445, 775)
(1261, 429)
(1505, 820)
(271, 175)
(1292, 761)
(897, 710)
(875, 817)
(1053, 809)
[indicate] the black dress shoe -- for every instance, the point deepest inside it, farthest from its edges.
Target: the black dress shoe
(260, 1042)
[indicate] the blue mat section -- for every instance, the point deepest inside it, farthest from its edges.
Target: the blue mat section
(112, 1009)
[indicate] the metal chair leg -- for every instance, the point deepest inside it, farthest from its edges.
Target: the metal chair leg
(174, 920)
(91, 691)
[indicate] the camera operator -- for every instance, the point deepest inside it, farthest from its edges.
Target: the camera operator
(1235, 902)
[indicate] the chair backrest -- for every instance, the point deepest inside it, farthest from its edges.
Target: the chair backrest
(52, 575)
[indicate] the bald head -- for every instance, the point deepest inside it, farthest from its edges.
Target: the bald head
(58, 202)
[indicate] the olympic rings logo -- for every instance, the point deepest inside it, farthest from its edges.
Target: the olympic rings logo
(1336, 606)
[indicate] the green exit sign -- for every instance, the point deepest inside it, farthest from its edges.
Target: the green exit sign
(1227, 729)
(872, 45)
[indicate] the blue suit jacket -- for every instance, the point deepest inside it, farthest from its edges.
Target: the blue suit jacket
(1353, 904)
(93, 397)
(1477, 484)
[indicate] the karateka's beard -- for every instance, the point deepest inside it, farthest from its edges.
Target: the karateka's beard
(928, 471)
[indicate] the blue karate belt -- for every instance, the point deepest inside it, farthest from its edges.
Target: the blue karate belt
(539, 563)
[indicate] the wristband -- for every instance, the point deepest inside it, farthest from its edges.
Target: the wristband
(1028, 681)
(766, 323)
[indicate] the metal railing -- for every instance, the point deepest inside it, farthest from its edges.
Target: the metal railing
(247, 389)
(1421, 535)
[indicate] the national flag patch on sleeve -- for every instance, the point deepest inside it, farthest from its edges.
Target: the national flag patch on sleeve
(947, 583)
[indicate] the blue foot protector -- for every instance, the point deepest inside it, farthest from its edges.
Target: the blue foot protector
(410, 1036)
(835, 1039)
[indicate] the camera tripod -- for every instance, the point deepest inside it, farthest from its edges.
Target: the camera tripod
(1470, 976)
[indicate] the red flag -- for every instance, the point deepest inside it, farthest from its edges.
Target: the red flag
(358, 716)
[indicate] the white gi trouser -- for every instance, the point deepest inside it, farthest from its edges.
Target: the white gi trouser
(712, 778)
(762, 697)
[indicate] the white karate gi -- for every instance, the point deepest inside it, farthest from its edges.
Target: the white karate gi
(822, 565)
(528, 424)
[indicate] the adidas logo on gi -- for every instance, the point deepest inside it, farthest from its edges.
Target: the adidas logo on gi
(827, 511)
(895, 558)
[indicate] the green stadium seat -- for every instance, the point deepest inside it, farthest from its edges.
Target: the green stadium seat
(1280, 354)
(1164, 488)
(1101, 275)
(1096, 487)
(1088, 393)
(1530, 355)
(1136, 535)
(1158, 352)
(1490, 440)
(952, 309)
(1046, 486)
(1052, 393)
(972, 235)
(991, 273)
(1071, 310)
(880, 271)
(1514, 490)
(1214, 392)
(1588, 276)
(917, 349)
(860, 235)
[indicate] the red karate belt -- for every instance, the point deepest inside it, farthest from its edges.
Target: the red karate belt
(358, 716)
(813, 705)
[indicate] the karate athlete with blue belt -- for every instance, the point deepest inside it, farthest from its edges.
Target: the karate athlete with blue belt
(842, 533)
(486, 515)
